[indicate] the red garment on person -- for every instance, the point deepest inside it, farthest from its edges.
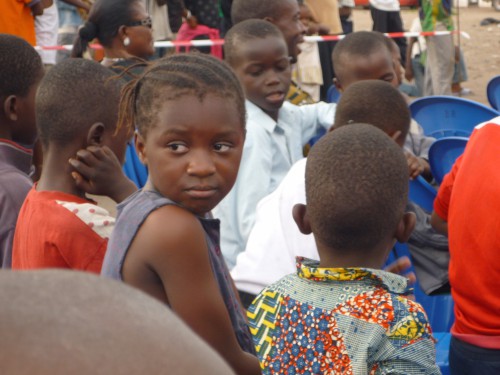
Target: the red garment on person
(59, 230)
(469, 200)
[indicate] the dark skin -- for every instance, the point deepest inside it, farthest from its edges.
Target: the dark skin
(99, 168)
(366, 258)
(439, 224)
(384, 67)
(193, 158)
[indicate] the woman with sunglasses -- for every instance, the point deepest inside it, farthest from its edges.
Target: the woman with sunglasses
(122, 27)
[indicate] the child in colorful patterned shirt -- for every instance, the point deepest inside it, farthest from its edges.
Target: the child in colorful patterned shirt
(343, 314)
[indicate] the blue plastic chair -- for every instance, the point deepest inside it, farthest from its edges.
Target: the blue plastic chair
(493, 92)
(449, 113)
(133, 168)
(439, 310)
(332, 95)
(442, 351)
(443, 153)
(422, 193)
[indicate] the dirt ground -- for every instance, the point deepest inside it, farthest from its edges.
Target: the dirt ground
(481, 51)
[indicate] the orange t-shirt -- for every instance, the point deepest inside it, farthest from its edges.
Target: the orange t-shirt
(469, 200)
(16, 19)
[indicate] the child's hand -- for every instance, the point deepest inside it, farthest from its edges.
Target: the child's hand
(98, 171)
(415, 165)
(401, 266)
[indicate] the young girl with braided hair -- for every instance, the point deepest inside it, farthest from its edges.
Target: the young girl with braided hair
(189, 114)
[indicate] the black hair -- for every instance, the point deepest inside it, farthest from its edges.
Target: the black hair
(172, 77)
(245, 31)
(356, 187)
(20, 66)
(242, 10)
(374, 102)
(360, 43)
(72, 96)
(105, 18)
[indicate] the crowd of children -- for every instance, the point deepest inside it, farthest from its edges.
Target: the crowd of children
(229, 195)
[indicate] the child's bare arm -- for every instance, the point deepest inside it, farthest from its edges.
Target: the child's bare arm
(172, 244)
(98, 171)
(440, 225)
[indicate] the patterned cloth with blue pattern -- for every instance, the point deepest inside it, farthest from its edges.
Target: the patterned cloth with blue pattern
(341, 321)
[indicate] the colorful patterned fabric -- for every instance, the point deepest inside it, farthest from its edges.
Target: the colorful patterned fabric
(433, 12)
(341, 321)
(298, 96)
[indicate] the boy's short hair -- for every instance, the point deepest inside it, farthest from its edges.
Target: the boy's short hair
(374, 102)
(360, 43)
(242, 10)
(245, 31)
(356, 187)
(20, 66)
(73, 95)
(66, 322)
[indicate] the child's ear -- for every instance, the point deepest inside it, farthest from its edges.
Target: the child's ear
(140, 147)
(95, 134)
(338, 85)
(299, 213)
(10, 107)
(405, 227)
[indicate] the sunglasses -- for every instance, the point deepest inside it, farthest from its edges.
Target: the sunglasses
(148, 22)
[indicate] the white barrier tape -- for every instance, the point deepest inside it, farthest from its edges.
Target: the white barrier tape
(220, 42)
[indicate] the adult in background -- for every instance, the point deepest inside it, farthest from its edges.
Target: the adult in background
(122, 27)
(18, 17)
(386, 18)
(435, 15)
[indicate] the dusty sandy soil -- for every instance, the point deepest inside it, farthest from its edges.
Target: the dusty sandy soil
(481, 51)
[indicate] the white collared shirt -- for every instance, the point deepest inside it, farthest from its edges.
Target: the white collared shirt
(271, 148)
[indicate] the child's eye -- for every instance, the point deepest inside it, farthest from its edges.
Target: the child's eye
(255, 73)
(221, 147)
(177, 147)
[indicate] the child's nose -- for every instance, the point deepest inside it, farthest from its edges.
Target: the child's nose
(272, 78)
(202, 165)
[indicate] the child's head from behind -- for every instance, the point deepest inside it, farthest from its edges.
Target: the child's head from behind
(256, 51)
(190, 115)
(356, 192)
(360, 56)
(21, 70)
(377, 103)
(284, 14)
(77, 106)
(122, 331)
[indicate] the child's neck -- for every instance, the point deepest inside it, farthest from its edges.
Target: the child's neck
(56, 174)
(5, 132)
(331, 258)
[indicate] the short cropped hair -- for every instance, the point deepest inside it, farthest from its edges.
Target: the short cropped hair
(360, 43)
(242, 10)
(66, 322)
(20, 66)
(175, 76)
(374, 102)
(245, 31)
(73, 95)
(356, 187)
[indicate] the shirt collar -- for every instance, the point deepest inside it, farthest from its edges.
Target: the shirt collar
(258, 115)
(309, 269)
(16, 155)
